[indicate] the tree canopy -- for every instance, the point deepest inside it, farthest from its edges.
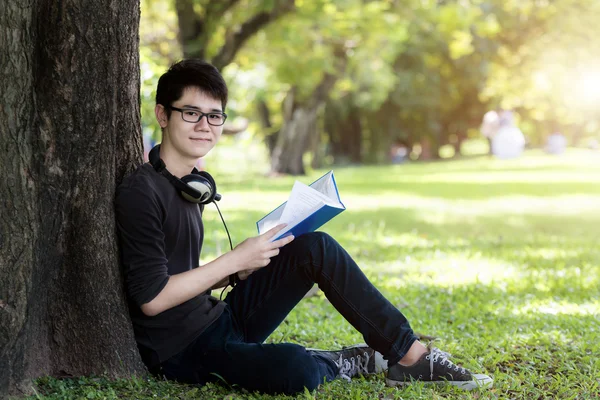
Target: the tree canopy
(421, 71)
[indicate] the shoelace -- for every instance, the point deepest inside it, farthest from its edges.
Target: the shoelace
(352, 366)
(436, 354)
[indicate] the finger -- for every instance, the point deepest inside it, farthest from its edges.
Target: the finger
(283, 241)
(273, 231)
(272, 253)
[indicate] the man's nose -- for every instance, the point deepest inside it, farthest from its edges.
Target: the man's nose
(203, 122)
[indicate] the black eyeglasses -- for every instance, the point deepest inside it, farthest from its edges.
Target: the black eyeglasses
(194, 116)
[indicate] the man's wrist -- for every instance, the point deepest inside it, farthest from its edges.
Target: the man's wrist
(231, 262)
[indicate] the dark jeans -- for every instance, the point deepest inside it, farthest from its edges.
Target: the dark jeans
(232, 348)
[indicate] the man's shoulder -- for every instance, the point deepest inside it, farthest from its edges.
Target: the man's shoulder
(142, 182)
(141, 177)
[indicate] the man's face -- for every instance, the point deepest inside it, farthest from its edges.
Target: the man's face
(191, 140)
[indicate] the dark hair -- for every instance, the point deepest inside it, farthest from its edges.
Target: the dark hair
(190, 73)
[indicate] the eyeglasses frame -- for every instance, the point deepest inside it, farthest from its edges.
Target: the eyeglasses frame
(181, 110)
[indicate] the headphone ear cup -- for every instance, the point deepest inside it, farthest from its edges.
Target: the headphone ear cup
(215, 196)
(208, 177)
(201, 185)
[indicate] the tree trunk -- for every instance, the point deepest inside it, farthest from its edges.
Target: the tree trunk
(264, 115)
(292, 140)
(69, 132)
(460, 138)
(315, 146)
(192, 30)
(300, 123)
(345, 134)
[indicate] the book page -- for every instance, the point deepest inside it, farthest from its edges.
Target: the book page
(326, 186)
(302, 202)
(312, 204)
(270, 220)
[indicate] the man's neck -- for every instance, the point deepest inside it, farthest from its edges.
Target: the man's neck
(175, 163)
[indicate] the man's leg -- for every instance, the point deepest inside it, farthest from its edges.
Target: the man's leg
(220, 354)
(260, 303)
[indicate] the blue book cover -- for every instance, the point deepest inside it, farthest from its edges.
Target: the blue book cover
(307, 209)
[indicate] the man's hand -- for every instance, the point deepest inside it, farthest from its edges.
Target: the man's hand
(243, 275)
(256, 252)
(250, 255)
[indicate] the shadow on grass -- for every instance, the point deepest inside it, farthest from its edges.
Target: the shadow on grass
(472, 179)
(509, 292)
(541, 258)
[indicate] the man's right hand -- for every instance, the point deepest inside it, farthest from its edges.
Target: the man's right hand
(256, 252)
(250, 255)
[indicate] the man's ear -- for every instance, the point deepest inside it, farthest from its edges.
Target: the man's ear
(161, 115)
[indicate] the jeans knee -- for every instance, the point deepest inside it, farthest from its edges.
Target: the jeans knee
(324, 239)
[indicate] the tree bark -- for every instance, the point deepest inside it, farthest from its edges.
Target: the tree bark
(300, 123)
(69, 132)
(292, 140)
(345, 134)
(264, 115)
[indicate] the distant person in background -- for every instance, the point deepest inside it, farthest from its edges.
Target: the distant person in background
(489, 126)
(556, 143)
(399, 152)
(508, 142)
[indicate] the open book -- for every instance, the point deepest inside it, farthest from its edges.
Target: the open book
(307, 208)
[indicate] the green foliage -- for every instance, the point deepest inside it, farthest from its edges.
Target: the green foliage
(159, 48)
(498, 259)
(330, 31)
(416, 69)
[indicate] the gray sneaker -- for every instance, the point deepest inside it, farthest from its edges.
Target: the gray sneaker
(435, 368)
(354, 360)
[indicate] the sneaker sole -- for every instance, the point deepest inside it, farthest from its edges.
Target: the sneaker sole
(481, 381)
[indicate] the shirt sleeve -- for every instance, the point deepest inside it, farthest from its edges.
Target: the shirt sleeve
(139, 221)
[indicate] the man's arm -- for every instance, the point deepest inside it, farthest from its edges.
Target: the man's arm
(251, 254)
(186, 285)
(221, 284)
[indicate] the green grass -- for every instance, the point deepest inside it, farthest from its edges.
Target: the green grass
(500, 260)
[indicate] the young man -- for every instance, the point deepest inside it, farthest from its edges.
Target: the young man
(186, 334)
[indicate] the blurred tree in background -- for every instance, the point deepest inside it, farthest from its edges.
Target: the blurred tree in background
(325, 81)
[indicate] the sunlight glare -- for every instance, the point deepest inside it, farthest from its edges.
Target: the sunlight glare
(589, 86)
(558, 307)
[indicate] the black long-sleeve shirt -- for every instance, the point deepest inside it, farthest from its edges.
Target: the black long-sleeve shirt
(161, 235)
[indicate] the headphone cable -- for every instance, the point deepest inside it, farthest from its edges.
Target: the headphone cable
(225, 225)
(232, 277)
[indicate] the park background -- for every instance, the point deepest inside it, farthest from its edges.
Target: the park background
(497, 259)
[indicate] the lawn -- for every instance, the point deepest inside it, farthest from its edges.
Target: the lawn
(499, 260)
